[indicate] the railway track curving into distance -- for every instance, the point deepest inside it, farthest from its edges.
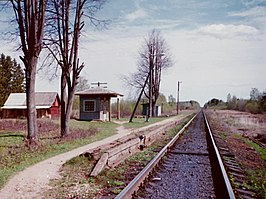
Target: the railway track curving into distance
(189, 166)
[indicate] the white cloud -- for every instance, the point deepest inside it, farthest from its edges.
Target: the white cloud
(253, 2)
(255, 16)
(257, 11)
(210, 67)
(228, 31)
(137, 14)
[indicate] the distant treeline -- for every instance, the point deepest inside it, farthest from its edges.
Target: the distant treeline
(256, 103)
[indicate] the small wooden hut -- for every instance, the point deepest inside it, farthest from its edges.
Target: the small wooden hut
(95, 104)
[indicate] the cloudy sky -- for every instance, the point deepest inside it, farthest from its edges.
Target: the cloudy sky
(218, 46)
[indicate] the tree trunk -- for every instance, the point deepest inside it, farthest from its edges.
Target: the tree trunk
(64, 131)
(153, 108)
(70, 101)
(30, 101)
(66, 108)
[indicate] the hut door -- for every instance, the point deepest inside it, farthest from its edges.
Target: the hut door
(104, 109)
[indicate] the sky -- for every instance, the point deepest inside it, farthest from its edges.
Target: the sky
(217, 46)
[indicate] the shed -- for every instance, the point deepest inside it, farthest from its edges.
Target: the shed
(145, 109)
(47, 105)
(95, 104)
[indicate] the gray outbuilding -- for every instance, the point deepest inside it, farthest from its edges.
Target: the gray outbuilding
(95, 104)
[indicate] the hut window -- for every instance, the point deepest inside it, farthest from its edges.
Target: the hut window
(89, 106)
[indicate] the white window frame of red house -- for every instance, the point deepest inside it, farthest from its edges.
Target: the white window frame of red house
(94, 106)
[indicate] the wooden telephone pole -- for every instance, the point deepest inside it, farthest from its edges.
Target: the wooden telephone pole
(177, 102)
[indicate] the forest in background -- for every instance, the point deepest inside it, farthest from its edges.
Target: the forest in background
(255, 104)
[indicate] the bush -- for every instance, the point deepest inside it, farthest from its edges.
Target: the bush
(264, 106)
(252, 107)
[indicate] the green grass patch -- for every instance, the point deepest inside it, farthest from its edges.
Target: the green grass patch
(11, 139)
(261, 151)
(257, 182)
(223, 135)
(105, 127)
(256, 177)
(16, 156)
(75, 180)
(141, 122)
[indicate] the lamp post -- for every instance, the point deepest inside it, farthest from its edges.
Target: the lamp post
(177, 102)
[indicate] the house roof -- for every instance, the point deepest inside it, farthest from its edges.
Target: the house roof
(99, 91)
(42, 100)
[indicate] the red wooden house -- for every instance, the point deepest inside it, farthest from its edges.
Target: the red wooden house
(47, 105)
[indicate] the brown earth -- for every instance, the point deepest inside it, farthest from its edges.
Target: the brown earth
(243, 124)
(234, 126)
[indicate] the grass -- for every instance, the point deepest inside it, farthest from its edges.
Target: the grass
(12, 162)
(141, 122)
(223, 135)
(75, 173)
(257, 182)
(101, 126)
(16, 156)
(256, 177)
(11, 139)
(260, 150)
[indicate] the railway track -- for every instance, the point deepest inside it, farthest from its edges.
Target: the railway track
(189, 166)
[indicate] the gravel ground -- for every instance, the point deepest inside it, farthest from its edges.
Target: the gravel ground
(184, 174)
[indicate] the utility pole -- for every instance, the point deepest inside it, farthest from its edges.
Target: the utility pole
(150, 88)
(177, 102)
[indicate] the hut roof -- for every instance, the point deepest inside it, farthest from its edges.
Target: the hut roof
(42, 100)
(99, 91)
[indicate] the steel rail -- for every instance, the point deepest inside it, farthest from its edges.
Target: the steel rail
(227, 184)
(133, 186)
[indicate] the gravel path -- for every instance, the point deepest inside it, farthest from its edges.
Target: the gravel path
(34, 180)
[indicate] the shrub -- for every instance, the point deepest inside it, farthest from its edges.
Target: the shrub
(252, 107)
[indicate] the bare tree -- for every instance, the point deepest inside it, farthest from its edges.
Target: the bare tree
(83, 84)
(30, 17)
(154, 57)
(66, 18)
